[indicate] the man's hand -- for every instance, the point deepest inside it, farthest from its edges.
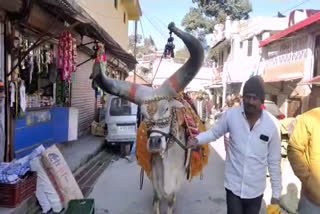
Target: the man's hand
(192, 143)
(275, 201)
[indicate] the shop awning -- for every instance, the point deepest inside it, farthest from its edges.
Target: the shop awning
(297, 27)
(315, 81)
(70, 11)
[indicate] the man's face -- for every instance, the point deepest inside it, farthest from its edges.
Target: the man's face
(252, 104)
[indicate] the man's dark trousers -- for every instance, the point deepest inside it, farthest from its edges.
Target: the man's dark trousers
(236, 205)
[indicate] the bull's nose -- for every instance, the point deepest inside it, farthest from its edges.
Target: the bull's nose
(156, 140)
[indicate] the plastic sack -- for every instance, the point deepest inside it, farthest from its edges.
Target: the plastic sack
(46, 194)
(60, 173)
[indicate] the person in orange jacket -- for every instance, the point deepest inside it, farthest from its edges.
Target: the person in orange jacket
(304, 157)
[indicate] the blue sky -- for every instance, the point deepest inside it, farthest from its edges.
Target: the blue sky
(157, 14)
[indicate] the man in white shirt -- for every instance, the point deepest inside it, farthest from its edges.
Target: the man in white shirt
(254, 145)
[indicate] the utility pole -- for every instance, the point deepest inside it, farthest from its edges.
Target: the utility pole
(135, 48)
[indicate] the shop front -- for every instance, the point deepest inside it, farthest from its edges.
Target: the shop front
(40, 93)
(49, 52)
(286, 63)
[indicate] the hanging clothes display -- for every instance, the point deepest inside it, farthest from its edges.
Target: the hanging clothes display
(102, 58)
(18, 98)
(46, 60)
(67, 54)
(12, 94)
(29, 68)
(22, 93)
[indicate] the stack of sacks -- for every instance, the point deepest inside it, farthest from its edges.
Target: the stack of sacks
(60, 174)
(46, 193)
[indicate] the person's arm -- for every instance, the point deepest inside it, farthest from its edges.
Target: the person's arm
(215, 132)
(274, 164)
(296, 150)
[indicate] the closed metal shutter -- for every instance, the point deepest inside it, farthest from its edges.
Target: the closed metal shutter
(83, 96)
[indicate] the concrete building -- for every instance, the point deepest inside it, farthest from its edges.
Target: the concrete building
(290, 59)
(237, 53)
(168, 67)
(114, 16)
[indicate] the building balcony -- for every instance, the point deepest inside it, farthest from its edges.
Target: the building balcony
(217, 74)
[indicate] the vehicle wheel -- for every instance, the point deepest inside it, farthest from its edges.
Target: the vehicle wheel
(107, 144)
(125, 149)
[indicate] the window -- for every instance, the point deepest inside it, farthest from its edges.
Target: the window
(317, 57)
(121, 107)
(259, 37)
(221, 60)
(250, 47)
(124, 17)
(241, 45)
(116, 4)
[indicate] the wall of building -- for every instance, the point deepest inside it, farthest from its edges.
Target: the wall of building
(240, 64)
(113, 20)
(285, 60)
(314, 100)
(289, 51)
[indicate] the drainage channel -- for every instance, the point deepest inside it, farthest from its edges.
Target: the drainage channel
(89, 175)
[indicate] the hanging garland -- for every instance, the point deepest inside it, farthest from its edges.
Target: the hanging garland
(67, 54)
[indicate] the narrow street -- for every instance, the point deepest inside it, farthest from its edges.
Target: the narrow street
(117, 190)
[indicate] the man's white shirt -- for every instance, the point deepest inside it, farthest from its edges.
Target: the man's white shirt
(249, 153)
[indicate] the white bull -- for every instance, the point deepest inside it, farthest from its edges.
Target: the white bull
(166, 138)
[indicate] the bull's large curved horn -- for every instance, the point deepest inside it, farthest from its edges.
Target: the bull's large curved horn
(182, 77)
(134, 92)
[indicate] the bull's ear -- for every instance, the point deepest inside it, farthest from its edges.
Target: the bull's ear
(176, 104)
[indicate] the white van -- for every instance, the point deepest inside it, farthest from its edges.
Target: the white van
(121, 123)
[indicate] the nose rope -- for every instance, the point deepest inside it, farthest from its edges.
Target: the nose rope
(170, 136)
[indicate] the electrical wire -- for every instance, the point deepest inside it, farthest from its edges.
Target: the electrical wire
(142, 29)
(160, 24)
(157, 29)
(289, 9)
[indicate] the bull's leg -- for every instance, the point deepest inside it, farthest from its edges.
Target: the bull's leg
(156, 204)
(171, 203)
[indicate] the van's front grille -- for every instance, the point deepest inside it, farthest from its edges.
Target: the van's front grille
(126, 124)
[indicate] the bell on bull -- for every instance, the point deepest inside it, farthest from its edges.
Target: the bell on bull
(166, 137)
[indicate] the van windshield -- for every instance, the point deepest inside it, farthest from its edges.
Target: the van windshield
(121, 107)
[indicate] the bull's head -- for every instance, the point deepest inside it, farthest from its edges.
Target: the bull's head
(157, 105)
